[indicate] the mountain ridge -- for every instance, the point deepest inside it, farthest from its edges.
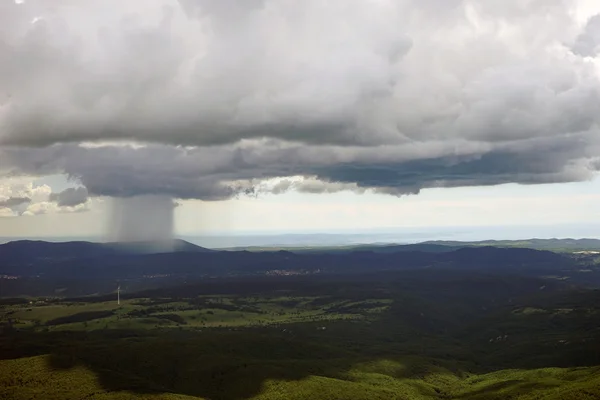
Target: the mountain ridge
(89, 260)
(30, 251)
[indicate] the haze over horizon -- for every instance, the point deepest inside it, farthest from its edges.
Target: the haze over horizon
(157, 118)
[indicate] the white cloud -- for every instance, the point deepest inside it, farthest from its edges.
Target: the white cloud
(6, 212)
(22, 197)
(389, 96)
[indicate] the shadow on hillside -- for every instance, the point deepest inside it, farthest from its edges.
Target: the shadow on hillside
(214, 365)
(435, 333)
(226, 365)
(234, 365)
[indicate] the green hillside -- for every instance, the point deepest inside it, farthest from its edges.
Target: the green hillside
(410, 335)
(39, 377)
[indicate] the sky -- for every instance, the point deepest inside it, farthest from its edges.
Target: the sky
(137, 120)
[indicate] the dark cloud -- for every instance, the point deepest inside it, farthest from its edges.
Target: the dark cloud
(70, 197)
(220, 172)
(217, 97)
(14, 202)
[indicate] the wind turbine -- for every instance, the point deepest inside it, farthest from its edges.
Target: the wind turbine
(119, 295)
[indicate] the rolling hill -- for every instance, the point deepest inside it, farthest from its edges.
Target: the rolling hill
(564, 245)
(30, 251)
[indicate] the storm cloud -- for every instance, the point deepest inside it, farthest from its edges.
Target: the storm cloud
(203, 99)
(70, 197)
(11, 202)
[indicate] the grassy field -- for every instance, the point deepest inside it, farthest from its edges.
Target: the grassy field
(191, 313)
(388, 338)
(40, 377)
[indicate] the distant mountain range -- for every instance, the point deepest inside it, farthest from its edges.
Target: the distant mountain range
(86, 268)
(86, 259)
(539, 244)
(441, 246)
(32, 251)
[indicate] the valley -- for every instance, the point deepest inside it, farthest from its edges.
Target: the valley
(446, 330)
